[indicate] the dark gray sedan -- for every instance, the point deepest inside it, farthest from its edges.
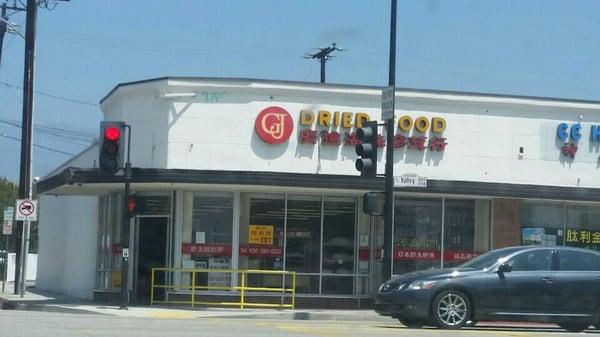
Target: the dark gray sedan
(542, 284)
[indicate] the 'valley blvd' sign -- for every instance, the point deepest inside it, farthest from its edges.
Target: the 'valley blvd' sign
(410, 180)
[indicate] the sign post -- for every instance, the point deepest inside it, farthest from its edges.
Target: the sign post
(7, 225)
(26, 211)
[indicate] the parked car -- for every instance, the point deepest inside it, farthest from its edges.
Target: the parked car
(542, 284)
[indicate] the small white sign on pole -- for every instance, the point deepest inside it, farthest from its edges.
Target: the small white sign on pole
(410, 180)
(9, 213)
(388, 96)
(26, 210)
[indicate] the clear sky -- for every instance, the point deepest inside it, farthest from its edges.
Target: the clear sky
(84, 48)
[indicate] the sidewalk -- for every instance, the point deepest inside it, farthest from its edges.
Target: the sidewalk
(37, 300)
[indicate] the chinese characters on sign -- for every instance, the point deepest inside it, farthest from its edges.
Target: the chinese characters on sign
(260, 234)
(582, 237)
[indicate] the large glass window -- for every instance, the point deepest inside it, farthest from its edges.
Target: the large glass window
(466, 230)
(262, 237)
(417, 231)
(582, 227)
(339, 228)
(542, 223)
(303, 246)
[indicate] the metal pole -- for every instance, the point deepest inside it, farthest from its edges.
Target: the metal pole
(125, 228)
(389, 162)
(323, 60)
(24, 258)
(25, 170)
(5, 269)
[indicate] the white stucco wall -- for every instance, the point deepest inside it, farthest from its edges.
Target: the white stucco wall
(215, 130)
(67, 246)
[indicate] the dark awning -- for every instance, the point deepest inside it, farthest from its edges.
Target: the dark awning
(77, 181)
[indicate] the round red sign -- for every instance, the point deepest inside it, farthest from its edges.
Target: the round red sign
(274, 125)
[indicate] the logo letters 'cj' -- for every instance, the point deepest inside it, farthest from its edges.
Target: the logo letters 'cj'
(274, 125)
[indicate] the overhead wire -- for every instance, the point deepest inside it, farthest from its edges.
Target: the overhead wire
(72, 100)
(38, 146)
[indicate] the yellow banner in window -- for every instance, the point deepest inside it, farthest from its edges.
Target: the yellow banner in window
(260, 235)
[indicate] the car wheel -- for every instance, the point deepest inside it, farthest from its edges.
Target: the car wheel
(411, 323)
(575, 326)
(451, 309)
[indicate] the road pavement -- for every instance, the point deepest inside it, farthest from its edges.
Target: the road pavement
(14, 323)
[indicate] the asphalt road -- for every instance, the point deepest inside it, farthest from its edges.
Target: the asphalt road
(46, 324)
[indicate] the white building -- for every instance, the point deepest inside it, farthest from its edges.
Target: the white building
(214, 157)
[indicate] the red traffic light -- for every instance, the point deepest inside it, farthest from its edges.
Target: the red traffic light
(112, 133)
(132, 204)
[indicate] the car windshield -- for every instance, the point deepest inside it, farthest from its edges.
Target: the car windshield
(488, 259)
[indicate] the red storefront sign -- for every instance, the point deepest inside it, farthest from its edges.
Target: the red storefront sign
(401, 254)
(261, 251)
(274, 125)
(206, 249)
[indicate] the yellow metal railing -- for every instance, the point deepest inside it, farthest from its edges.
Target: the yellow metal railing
(243, 289)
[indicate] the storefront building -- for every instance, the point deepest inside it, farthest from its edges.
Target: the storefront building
(256, 174)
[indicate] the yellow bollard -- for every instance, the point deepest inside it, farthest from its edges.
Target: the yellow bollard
(193, 287)
(242, 290)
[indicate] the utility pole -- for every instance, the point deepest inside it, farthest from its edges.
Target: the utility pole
(26, 131)
(323, 55)
(389, 161)
(25, 191)
(3, 26)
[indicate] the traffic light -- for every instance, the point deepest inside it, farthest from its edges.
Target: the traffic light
(132, 205)
(112, 147)
(367, 149)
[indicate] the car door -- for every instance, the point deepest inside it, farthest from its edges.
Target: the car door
(578, 282)
(527, 289)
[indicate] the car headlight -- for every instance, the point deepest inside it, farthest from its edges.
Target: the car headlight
(418, 285)
(391, 286)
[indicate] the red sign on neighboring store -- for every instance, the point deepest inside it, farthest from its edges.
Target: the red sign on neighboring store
(261, 251)
(407, 254)
(274, 125)
(206, 249)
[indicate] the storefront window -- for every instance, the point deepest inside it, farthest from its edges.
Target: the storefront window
(303, 246)
(466, 230)
(543, 223)
(262, 237)
(417, 230)
(339, 228)
(109, 242)
(582, 228)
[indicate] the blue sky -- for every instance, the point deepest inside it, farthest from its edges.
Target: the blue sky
(84, 48)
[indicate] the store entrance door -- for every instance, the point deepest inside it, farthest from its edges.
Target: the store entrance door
(151, 252)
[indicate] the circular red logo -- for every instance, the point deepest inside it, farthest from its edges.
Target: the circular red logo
(274, 125)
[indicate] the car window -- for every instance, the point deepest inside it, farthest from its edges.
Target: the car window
(578, 261)
(532, 260)
(488, 259)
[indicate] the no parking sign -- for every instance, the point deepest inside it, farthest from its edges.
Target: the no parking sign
(26, 210)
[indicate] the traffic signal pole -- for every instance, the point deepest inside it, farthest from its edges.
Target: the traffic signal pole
(389, 161)
(125, 227)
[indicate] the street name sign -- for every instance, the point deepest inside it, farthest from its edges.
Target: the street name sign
(410, 180)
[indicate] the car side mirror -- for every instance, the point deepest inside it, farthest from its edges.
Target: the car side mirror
(504, 268)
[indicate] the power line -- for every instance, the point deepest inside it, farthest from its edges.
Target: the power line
(38, 146)
(61, 133)
(72, 100)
